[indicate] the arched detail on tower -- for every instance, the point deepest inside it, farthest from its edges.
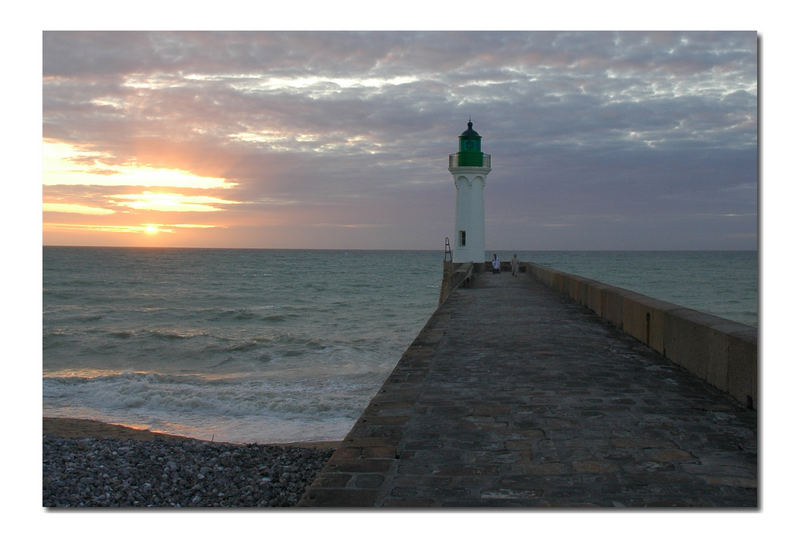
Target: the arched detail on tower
(469, 180)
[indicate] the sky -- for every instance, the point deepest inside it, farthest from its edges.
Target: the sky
(599, 140)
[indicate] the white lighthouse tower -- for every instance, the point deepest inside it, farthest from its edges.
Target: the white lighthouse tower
(469, 167)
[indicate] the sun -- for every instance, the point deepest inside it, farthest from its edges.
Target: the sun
(151, 229)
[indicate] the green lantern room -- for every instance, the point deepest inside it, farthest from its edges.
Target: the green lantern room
(469, 148)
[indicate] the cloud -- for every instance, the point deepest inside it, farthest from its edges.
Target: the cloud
(336, 121)
(75, 208)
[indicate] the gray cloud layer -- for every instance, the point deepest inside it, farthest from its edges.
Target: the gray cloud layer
(599, 140)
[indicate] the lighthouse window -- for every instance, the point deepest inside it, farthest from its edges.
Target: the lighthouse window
(462, 238)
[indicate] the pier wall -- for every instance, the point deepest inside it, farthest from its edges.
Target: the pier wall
(454, 275)
(720, 351)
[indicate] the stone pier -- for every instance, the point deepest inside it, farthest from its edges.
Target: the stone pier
(513, 395)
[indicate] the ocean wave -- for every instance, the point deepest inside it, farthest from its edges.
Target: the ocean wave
(89, 318)
(57, 331)
(263, 358)
(57, 337)
(99, 376)
(277, 317)
(175, 334)
(229, 397)
(256, 313)
(156, 334)
(223, 363)
(121, 334)
(247, 345)
(264, 307)
(59, 294)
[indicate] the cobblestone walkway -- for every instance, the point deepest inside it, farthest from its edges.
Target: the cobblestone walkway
(514, 396)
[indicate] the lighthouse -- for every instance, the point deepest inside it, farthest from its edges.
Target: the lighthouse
(469, 167)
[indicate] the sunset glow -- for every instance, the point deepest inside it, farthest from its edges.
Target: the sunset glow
(75, 208)
(103, 197)
(64, 164)
(167, 201)
(149, 229)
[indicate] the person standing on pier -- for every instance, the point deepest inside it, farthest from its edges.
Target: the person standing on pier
(495, 264)
(514, 265)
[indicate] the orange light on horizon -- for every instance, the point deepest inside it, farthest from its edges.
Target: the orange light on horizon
(147, 229)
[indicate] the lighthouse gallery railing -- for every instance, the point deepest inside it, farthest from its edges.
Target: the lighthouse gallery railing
(487, 160)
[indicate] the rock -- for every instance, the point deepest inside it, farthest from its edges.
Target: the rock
(109, 472)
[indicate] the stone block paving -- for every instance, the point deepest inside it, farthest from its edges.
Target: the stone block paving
(514, 396)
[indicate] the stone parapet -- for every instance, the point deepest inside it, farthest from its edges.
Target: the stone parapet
(454, 275)
(720, 351)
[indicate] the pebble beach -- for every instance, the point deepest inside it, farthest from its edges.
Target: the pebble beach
(91, 464)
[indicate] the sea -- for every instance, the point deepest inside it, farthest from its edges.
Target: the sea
(276, 346)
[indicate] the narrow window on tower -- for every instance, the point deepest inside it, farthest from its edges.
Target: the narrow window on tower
(462, 238)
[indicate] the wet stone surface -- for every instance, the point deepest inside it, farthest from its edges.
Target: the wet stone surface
(515, 396)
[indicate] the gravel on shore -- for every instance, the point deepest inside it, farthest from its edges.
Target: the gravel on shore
(91, 472)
